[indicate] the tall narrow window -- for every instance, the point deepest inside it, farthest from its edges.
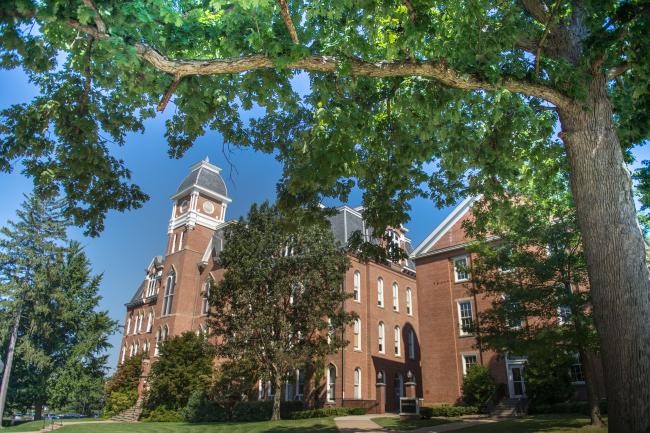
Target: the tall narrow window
(128, 326)
(331, 383)
(173, 244)
(465, 316)
(123, 354)
(137, 348)
(206, 297)
(409, 301)
(357, 286)
(381, 337)
(395, 297)
(357, 334)
(398, 341)
(150, 321)
(169, 294)
(468, 362)
(180, 241)
(411, 343)
(576, 372)
(140, 321)
(158, 340)
(357, 383)
(380, 292)
(460, 269)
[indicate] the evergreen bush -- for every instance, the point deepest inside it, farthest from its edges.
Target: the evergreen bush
(478, 385)
(201, 409)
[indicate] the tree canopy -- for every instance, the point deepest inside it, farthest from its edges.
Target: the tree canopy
(280, 303)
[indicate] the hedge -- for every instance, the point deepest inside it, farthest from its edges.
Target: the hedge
(581, 407)
(263, 410)
(327, 412)
(446, 410)
(162, 414)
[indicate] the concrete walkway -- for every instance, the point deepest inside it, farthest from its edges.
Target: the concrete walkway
(364, 424)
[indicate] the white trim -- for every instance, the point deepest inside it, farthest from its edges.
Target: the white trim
(463, 361)
(442, 228)
(460, 319)
(205, 191)
(453, 264)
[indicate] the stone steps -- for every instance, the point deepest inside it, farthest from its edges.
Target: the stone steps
(131, 414)
(509, 408)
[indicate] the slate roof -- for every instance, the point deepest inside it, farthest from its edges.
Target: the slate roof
(208, 178)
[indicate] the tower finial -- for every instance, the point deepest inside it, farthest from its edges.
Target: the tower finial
(206, 158)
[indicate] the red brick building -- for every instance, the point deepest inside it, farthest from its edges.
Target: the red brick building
(171, 299)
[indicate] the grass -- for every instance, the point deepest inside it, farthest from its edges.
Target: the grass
(315, 425)
(394, 423)
(37, 425)
(538, 424)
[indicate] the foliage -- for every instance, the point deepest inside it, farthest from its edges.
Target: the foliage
(326, 412)
(276, 298)
(478, 385)
(262, 410)
(122, 389)
(446, 410)
(581, 407)
(201, 409)
(547, 378)
(60, 355)
(161, 414)
(233, 382)
(184, 365)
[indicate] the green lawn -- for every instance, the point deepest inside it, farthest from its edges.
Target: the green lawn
(394, 423)
(538, 424)
(316, 425)
(37, 425)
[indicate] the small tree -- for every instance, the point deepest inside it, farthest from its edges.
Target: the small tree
(122, 388)
(547, 377)
(280, 300)
(478, 385)
(184, 365)
(528, 261)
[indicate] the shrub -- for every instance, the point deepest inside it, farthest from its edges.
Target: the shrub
(478, 385)
(446, 410)
(426, 412)
(263, 410)
(547, 378)
(118, 401)
(201, 409)
(162, 414)
(327, 412)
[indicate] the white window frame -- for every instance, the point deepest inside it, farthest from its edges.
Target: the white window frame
(128, 325)
(578, 361)
(464, 357)
(381, 337)
(158, 341)
(356, 328)
(395, 296)
(458, 278)
(331, 385)
(380, 292)
(460, 317)
(409, 301)
(170, 289)
(150, 318)
(356, 291)
(180, 240)
(205, 308)
(397, 336)
(357, 383)
(123, 354)
(173, 245)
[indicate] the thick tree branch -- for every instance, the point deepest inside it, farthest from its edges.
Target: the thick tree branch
(617, 70)
(168, 94)
(284, 9)
(99, 22)
(412, 12)
(537, 9)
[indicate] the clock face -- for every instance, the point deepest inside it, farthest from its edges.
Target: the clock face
(184, 206)
(208, 207)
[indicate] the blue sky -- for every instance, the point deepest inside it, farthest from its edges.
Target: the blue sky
(132, 238)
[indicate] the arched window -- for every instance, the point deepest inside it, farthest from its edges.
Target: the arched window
(131, 351)
(140, 321)
(395, 297)
(158, 340)
(206, 297)
(128, 326)
(331, 383)
(180, 241)
(169, 294)
(145, 348)
(380, 292)
(123, 354)
(357, 334)
(411, 343)
(398, 342)
(137, 348)
(409, 301)
(381, 336)
(165, 333)
(150, 321)
(357, 383)
(357, 286)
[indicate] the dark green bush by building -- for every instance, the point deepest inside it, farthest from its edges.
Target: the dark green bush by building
(444, 410)
(201, 409)
(478, 385)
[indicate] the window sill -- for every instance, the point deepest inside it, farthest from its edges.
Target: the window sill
(461, 281)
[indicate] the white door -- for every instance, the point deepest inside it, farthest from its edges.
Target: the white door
(516, 381)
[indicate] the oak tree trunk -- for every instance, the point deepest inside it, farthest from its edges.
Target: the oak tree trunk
(615, 254)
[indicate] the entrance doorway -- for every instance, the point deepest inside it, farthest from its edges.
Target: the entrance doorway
(516, 381)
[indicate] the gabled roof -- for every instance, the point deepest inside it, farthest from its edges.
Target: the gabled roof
(215, 246)
(456, 215)
(137, 296)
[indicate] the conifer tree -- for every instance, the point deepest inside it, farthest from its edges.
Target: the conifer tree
(280, 302)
